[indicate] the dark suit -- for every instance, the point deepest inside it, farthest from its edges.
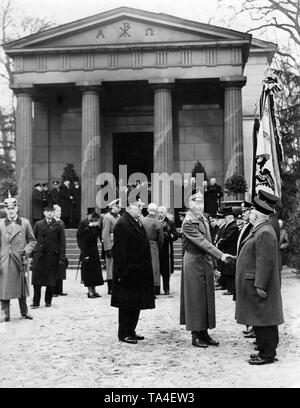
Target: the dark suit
(61, 275)
(228, 244)
(66, 203)
(76, 213)
(133, 286)
(46, 198)
(212, 198)
(50, 250)
(87, 241)
(167, 252)
(54, 196)
(222, 281)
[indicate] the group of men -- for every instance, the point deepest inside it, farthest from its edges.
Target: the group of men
(67, 195)
(134, 248)
(254, 281)
(247, 257)
(45, 243)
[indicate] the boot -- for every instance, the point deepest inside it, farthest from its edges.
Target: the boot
(196, 341)
(109, 287)
(204, 336)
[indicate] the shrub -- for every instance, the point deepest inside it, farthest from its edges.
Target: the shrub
(235, 185)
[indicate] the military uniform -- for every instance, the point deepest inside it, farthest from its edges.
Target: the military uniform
(257, 269)
(16, 238)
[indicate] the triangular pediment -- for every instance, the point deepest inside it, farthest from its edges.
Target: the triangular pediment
(127, 27)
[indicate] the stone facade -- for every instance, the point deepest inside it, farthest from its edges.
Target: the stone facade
(191, 87)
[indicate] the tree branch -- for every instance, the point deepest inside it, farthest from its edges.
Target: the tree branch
(285, 54)
(280, 27)
(4, 77)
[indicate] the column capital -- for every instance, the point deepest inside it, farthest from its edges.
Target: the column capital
(89, 86)
(19, 89)
(237, 81)
(164, 83)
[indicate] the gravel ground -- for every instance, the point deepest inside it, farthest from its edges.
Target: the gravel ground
(75, 344)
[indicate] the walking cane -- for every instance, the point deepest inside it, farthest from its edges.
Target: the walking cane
(79, 262)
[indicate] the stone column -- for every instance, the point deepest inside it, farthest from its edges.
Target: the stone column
(163, 128)
(163, 132)
(233, 125)
(24, 149)
(90, 146)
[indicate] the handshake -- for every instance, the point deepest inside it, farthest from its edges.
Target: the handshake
(228, 259)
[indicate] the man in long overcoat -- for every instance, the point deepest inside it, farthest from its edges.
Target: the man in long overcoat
(197, 299)
(62, 268)
(154, 231)
(76, 209)
(258, 295)
(228, 243)
(66, 199)
(48, 254)
(16, 242)
(133, 288)
(213, 196)
(82, 227)
(167, 250)
(109, 222)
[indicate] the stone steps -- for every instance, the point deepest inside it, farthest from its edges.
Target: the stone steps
(72, 251)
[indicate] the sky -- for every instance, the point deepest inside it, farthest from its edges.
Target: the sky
(64, 11)
(67, 10)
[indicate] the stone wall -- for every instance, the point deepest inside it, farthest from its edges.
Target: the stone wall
(57, 135)
(201, 138)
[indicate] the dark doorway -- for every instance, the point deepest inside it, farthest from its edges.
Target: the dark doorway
(134, 150)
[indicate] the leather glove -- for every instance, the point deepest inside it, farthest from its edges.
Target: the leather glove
(108, 253)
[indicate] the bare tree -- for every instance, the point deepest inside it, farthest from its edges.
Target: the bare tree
(13, 25)
(268, 18)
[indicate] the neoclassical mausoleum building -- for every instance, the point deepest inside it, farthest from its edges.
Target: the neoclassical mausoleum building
(150, 90)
